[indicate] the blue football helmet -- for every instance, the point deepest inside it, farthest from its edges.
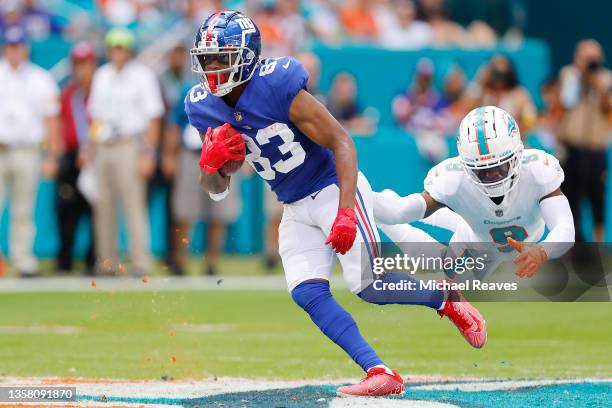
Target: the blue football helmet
(226, 51)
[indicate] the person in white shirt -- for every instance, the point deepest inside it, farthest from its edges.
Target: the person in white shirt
(126, 107)
(29, 110)
(404, 32)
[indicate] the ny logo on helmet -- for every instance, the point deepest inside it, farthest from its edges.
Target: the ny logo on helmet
(245, 23)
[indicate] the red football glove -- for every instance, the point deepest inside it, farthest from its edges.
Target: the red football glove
(530, 258)
(218, 148)
(343, 232)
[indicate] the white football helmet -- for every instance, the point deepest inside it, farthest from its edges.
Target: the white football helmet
(490, 149)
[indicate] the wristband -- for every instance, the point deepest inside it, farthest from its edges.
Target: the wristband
(219, 196)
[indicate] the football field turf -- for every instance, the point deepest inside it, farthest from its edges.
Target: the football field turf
(180, 335)
(196, 334)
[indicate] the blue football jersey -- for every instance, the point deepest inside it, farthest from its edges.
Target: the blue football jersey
(288, 160)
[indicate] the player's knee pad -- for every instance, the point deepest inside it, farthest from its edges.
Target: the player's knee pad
(316, 299)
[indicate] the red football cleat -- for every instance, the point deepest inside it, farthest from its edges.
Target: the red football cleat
(466, 317)
(378, 382)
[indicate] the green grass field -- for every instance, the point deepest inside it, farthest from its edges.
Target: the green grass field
(196, 334)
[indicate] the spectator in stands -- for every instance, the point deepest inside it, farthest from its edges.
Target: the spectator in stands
(481, 35)
(322, 20)
(282, 26)
(28, 119)
(182, 151)
(405, 32)
(342, 104)
(173, 82)
(419, 111)
(203, 8)
(501, 87)
(586, 94)
(12, 14)
(312, 64)
(358, 20)
(551, 114)
(454, 90)
(453, 103)
(293, 25)
(37, 22)
(445, 31)
(126, 107)
(268, 21)
(384, 15)
(120, 13)
(71, 204)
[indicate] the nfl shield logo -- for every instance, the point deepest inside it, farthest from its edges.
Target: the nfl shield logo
(238, 116)
(499, 213)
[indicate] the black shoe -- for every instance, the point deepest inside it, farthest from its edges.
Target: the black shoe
(211, 270)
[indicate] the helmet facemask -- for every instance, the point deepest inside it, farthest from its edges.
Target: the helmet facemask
(222, 81)
(496, 178)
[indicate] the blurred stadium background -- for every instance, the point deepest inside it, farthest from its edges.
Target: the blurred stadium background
(387, 48)
(400, 75)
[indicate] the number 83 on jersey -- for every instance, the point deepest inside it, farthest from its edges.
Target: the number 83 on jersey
(262, 164)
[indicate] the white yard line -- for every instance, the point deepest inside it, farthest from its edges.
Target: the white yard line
(40, 329)
(214, 386)
(158, 393)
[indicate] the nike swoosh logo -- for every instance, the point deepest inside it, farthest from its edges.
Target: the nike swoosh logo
(287, 64)
(373, 390)
(313, 196)
(476, 320)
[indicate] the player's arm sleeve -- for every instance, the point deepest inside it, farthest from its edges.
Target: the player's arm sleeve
(434, 183)
(289, 78)
(444, 218)
(548, 174)
(390, 208)
(558, 217)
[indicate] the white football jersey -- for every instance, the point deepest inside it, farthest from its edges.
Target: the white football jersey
(517, 216)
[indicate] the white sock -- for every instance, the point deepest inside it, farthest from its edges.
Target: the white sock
(387, 369)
